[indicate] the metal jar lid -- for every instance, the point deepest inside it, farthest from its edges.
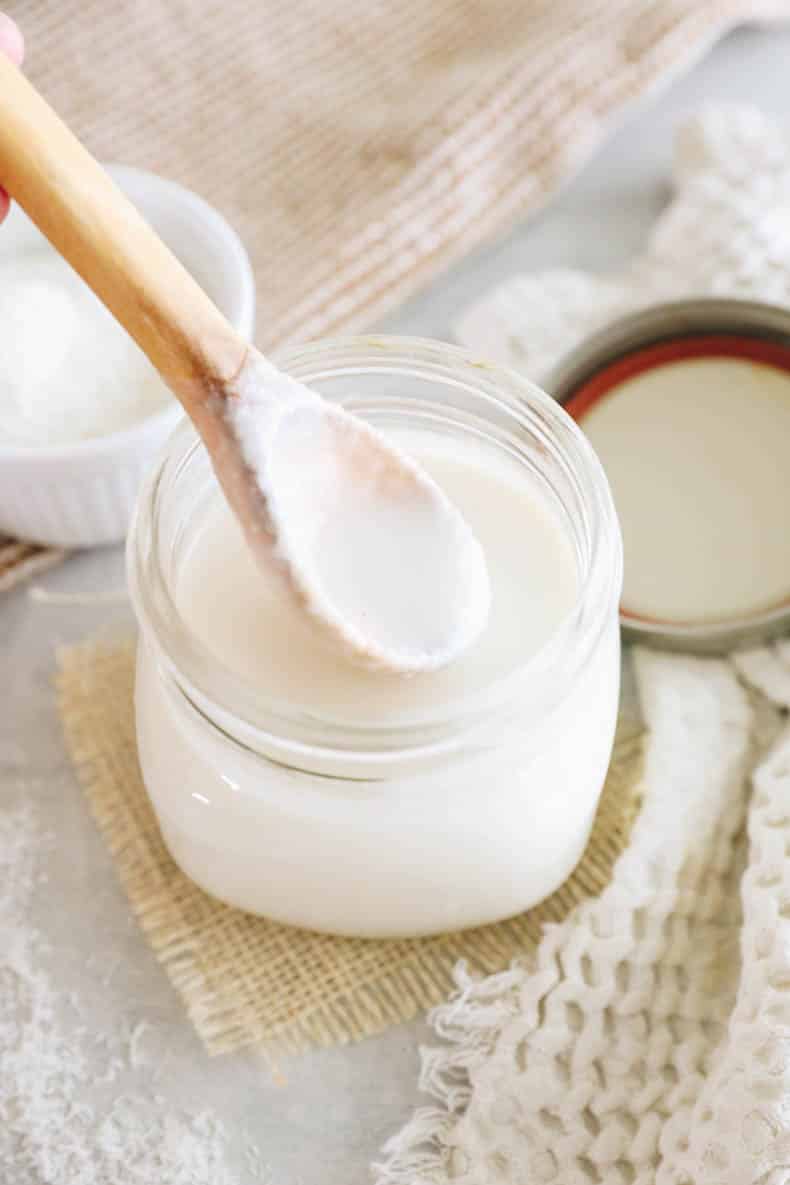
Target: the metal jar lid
(671, 323)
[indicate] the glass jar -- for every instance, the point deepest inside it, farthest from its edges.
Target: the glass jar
(472, 815)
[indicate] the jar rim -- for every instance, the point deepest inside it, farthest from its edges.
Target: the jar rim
(227, 700)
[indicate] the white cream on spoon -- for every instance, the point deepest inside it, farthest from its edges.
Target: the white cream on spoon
(371, 547)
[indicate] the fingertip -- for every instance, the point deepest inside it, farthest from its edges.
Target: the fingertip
(12, 43)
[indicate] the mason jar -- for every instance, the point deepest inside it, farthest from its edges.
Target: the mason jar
(469, 816)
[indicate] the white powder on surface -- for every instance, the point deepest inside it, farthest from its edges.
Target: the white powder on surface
(50, 1133)
(68, 371)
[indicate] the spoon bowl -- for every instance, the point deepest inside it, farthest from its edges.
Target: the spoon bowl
(371, 544)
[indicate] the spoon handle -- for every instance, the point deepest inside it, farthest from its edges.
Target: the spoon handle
(97, 229)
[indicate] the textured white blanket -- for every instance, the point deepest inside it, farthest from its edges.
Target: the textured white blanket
(726, 232)
(648, 1041)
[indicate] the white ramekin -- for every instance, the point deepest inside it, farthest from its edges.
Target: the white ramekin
(82, 495)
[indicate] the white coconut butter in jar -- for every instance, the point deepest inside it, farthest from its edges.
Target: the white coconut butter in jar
(292, 784)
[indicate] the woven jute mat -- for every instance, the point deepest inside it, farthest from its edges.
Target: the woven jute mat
(245, 980)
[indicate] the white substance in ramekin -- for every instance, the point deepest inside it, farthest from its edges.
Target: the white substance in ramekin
(68, 371)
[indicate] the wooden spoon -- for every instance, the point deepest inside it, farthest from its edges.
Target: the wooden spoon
(369, 543)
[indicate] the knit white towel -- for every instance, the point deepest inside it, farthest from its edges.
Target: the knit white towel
(648, 1041)
(726, 232)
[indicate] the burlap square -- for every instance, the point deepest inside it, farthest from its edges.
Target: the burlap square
(245, 980)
